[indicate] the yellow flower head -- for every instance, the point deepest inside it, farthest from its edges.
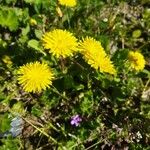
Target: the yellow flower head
(95, 55)
(136, 60)
(107, 66)
(7, 60)
(35, 76)
(60, 42)
(68, 3)
(33, 22)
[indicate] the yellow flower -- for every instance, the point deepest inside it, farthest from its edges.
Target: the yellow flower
(95, 55)
(60, 42)
(7, 60)
(33, 22)
(69, 3)
(35, 76)
(107, 66)
(59, 12)
(136, 60)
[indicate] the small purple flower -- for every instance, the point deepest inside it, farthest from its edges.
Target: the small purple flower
(75, 120)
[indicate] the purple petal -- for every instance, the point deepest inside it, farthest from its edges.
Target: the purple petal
(72, 122)
(77, 124)
(75, 120)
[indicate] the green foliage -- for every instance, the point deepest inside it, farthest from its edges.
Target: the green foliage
(136, 33)
(87, 103)
(10, 144)
(115, 110)
(34, 44)
(5, 122)
(8, 18)
(37, 1)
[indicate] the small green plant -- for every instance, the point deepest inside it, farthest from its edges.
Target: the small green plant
(76, 73)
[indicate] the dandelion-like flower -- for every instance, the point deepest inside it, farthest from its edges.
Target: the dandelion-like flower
(95, 55)
(35, 76)
(68, 3)
(60, 42)
(136, 60)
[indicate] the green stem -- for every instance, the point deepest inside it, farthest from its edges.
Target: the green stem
(41, 131)
(57, 92)
(93, 145)
(148, 81)
(68, 18)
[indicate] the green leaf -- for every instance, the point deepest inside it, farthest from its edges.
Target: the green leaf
(87, 102)
(10, 144)
(26, 30)
(33, 1)
(36, 110)
(8, 18)
(38, 34)
(10, 1)
(136, 33)
(18, 108)
(5, 123)
(68, 82)
(36, 1)
(34, 44)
